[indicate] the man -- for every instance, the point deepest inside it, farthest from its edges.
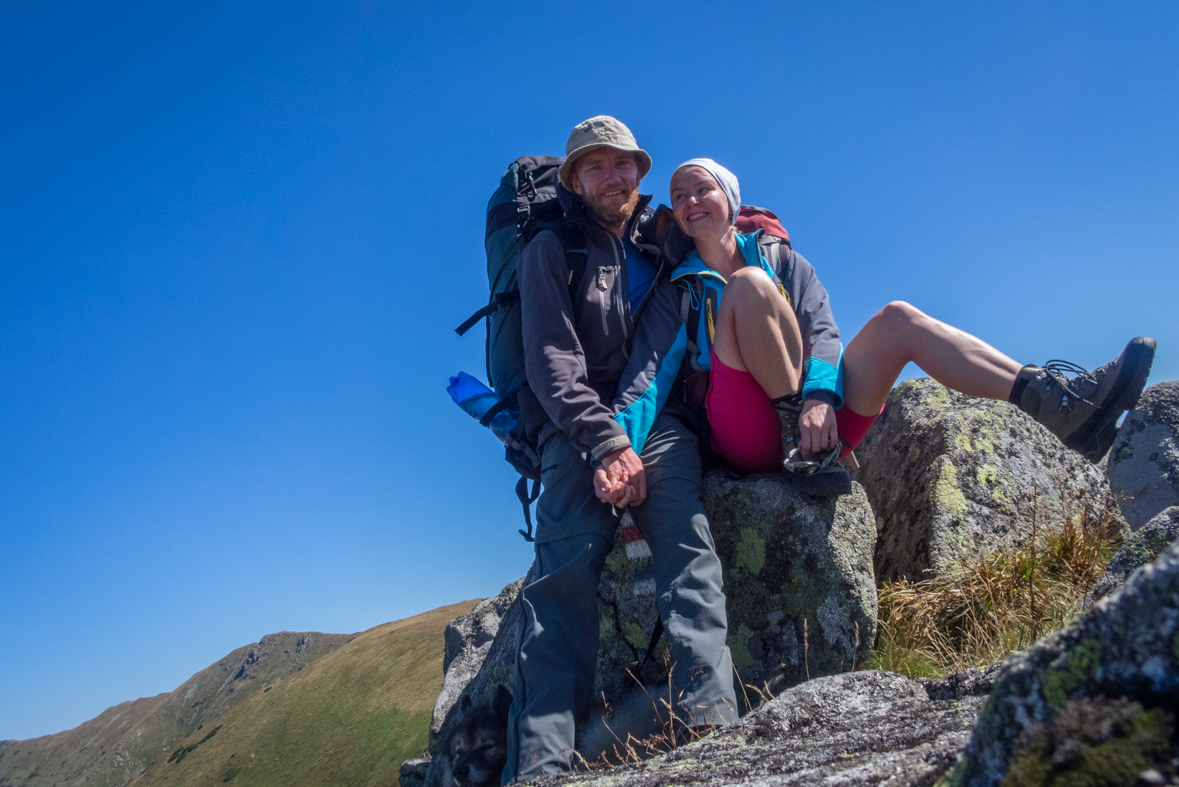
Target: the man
(604, 449)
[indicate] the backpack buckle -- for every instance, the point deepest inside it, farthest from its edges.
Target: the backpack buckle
(528, 187)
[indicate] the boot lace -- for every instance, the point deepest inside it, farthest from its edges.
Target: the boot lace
(1057, 369)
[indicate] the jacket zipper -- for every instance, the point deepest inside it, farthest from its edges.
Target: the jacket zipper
(602, 299)
(621, 262)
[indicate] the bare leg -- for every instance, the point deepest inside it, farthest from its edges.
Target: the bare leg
(756, 332)
(900, 333)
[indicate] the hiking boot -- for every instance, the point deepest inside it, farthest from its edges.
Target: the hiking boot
(1083, 410)
(789, 408)
(820, 476)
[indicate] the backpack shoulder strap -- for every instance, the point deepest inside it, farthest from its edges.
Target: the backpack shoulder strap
(771, 247)
(691, 303)
(573, 242)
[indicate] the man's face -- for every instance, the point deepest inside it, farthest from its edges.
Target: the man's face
(608, 181)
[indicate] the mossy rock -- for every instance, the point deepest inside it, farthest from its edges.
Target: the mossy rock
(1126, 647)
(950, 476)
(798, 584)
(798, 577)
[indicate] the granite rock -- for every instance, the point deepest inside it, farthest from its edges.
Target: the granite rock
(1140, 548)
(1144, 461)
(1127, 647)
(859, 728)
(799, 583)
(951, 476)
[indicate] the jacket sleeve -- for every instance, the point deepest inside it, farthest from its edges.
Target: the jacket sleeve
(658, 350)
(823, 369)
(553, 356)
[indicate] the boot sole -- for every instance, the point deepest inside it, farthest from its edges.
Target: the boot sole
(822, 484)
(1095, 437)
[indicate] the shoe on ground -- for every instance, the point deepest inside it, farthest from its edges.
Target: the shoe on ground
(1083, 410)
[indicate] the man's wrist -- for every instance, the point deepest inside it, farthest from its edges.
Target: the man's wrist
(607, 447)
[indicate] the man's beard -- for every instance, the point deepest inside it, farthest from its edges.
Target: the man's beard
(612, 217)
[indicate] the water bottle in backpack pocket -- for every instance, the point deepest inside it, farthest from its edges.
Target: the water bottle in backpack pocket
(477, 400)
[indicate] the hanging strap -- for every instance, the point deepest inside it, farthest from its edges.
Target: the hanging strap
(656, 633)
(526, 500)
(497, 302)
(496, 409)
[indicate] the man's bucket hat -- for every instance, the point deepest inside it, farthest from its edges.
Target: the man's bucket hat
(602, 131)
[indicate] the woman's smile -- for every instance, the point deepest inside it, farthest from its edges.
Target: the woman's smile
(698, 203)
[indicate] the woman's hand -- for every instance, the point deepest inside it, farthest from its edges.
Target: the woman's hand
(817, 424)
(621, 480)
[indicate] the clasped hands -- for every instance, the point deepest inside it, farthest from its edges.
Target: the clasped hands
(621, 480)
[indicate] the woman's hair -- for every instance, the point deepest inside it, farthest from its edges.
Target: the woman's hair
(725, 179)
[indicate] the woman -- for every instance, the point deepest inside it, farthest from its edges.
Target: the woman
(782, 391)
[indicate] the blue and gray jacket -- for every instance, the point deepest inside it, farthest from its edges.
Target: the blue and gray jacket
(796, 280)
(596, 372)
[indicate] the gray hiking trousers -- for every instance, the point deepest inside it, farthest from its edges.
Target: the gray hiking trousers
(554, 674)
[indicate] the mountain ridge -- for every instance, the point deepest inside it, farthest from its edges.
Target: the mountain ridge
(116, 747)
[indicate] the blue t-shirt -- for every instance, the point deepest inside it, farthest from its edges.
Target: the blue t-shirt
(640, 275)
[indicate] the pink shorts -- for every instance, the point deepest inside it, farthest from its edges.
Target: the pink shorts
(746, 430)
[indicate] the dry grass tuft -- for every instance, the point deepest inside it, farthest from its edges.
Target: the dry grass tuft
(983, 609)
(676, 727)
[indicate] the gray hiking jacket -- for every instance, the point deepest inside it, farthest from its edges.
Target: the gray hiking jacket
(581, 378)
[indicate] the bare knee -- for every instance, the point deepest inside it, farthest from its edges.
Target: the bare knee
(899, 316)
(750, 276)
(900, 311)
(750, 283)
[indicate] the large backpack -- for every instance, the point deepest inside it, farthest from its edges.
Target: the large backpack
(524, 203)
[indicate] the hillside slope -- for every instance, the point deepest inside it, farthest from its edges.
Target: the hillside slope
(351, 718)
(117, 746)
(112, 748)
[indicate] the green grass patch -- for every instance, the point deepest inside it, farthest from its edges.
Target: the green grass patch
(184, 751)
(979, 611)
(349, 718)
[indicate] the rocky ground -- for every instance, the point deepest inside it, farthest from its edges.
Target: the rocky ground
(944, 476)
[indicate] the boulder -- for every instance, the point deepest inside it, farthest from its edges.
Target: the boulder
(1140, 548)
(798, 577)
(951, 476)
(853, 728)
(468, 639)
(1118, 664)
(801, 596)
(1144, 461)
(479, 657)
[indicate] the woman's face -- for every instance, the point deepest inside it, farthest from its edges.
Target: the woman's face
(698, 203)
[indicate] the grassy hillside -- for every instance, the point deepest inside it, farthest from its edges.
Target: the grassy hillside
(350, 718)
(117, 745)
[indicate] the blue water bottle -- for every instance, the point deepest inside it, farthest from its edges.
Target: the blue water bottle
(476, 399)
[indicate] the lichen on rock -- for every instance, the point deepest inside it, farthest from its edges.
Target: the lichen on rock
(798, 578)
(1125, 647)
(847, 729)
(950, 476)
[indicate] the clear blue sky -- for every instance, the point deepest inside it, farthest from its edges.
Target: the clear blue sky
(236, 238)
